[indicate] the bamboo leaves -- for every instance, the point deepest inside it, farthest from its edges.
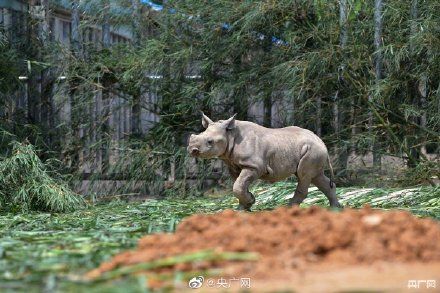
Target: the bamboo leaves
(25, 184)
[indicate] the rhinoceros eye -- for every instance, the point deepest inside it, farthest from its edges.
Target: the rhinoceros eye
(210, 141)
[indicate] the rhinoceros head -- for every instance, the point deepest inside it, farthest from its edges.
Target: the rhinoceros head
(213, 141)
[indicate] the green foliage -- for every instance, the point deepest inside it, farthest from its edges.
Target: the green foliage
(26, 184)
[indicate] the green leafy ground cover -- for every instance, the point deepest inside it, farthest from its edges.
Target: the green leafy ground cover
(50, 252)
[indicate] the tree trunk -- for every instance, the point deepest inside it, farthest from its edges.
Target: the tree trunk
(336, 119)
(378, 27)
(412, 137)
(318, 115)
(423, 84)
(105, 127)
(378, 64)
(75, 35)
(209, 78)
(267, 120)
(292, 114)
(353, 126)
(75, 139)
(136, 22)
(33, 85)
(343, 18)
(341, 150)
(420, 86)
(106, 41)
(47, 80)
(240, 103)
(136, 127)
(342, 43)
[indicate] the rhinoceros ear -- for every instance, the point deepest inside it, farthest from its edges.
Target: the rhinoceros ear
(205, 120)
(230, 123)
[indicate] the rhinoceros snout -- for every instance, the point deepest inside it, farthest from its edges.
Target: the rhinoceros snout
(194, 151)
(193, 148)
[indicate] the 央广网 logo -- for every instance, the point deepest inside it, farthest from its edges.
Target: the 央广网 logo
(196, 282)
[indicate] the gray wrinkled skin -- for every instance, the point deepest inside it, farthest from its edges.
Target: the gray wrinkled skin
(254, 152)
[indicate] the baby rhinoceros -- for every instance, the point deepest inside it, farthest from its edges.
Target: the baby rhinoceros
(253, 152)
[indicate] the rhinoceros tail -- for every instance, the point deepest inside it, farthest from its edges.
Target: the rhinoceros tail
(332, 175)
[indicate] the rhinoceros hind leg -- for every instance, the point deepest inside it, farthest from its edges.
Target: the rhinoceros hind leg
(304, 174)
(301, 191)
(323, 183)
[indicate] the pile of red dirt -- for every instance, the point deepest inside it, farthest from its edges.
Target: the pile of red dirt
(288, 239)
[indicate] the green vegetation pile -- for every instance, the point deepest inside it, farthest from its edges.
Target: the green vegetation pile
(26, 184)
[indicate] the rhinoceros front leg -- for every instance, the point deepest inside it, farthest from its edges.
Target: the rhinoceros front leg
(241, 189)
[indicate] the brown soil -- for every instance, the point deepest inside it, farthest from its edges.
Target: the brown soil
(292, 242)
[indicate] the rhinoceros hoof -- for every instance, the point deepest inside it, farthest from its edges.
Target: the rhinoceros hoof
(246, 208)
(337, 206)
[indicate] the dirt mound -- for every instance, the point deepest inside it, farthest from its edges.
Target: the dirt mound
(288, 239)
